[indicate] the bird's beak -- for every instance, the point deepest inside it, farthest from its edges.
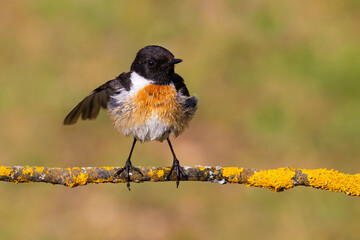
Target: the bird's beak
(175, 61)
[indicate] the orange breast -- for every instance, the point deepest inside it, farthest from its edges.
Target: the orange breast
(158, 99)
(153, 111)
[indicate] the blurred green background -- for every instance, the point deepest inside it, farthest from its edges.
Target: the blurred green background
(279, 85)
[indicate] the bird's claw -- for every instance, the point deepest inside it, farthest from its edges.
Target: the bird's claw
(178, 170)
(128, 168)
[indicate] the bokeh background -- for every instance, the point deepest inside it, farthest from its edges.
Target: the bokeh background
(279, 85)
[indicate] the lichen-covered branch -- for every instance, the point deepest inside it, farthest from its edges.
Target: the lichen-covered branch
(273, 179)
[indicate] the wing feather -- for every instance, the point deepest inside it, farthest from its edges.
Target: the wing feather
(90, 106)
(95, 107)
(180, 85)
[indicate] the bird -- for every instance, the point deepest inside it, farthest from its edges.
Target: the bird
(149, 103)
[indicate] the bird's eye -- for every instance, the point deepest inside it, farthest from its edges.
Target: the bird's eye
(151, 63)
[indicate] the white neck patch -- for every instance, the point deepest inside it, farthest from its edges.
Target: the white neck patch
(138, 82)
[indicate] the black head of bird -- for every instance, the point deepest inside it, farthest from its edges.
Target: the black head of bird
(155, 63)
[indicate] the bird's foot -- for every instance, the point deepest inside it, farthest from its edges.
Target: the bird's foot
(179, 172)
(128, 168)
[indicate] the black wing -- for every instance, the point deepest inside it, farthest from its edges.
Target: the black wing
(180, 85)
(190, 104)
(89, 107)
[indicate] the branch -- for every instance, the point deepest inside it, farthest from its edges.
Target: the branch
(274, 179)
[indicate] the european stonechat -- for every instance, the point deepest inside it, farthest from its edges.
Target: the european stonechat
(149, 103)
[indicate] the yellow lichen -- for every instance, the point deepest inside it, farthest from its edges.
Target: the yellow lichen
(39, 169)
(156, 175)
(231, 171)
(21, 180)
(5, 171)
(160, 173)
(109, 168)
(151, 173)
(28, 170)
(73, 169)
(101, 180)
(334, 181)
(79, 180)
(201, 168)
(274, 179)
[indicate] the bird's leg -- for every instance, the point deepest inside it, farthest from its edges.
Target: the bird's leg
(176, 168)
(129, 167)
